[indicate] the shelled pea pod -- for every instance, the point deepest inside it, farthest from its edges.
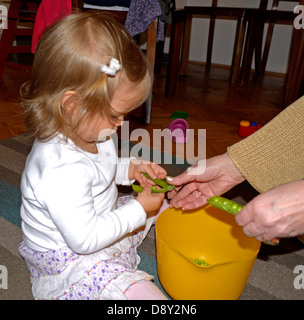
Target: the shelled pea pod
(159, 182)
(165, 186)
(233, 208)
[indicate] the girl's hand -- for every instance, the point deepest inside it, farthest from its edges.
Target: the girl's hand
(150, 201)
(276, 213)
(152, 169)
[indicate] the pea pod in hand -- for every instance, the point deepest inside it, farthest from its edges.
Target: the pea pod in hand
(165, 186)
(234, 208)
(225, 204)
(159, 182)
(139, 189)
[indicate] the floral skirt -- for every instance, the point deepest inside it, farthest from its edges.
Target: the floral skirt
(65, 275)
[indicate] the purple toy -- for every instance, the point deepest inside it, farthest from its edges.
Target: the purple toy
(179, 130)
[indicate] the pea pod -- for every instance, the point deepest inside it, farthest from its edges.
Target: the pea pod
(139, 189)
(233, 208)
(165, 186)
(225, 204)
(159, 182)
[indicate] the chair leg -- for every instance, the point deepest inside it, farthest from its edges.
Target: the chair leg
(8, 34)
(6, 42)
(151, 42)
(261, 68)
(7, 37)
(238, 50)
(146, 110)
(294, 84)
(248, 52)
(186, 45)
(177, 28)
(258, 44)
(210, 37)
(210, 42)
(151, 50)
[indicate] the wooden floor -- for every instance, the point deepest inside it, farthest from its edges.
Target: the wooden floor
(215, 105)
(208, 98)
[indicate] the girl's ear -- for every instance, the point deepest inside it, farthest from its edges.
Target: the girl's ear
(69, 101)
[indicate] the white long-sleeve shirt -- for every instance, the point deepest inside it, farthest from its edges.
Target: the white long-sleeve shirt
(69, 198)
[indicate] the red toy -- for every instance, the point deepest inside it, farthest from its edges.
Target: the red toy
(247, 128)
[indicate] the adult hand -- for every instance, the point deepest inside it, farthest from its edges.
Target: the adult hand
(276, 213)
(203, 180)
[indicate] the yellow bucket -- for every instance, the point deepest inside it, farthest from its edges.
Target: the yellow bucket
(209, 235)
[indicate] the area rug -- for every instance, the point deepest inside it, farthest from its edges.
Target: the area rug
(276, 274)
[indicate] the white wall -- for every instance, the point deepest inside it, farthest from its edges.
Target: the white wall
(225, 32)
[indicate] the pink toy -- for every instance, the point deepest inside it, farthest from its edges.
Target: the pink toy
(247, 128)
(179, 130)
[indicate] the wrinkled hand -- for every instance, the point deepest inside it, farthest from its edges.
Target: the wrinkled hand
(277, 213)
(200, 182)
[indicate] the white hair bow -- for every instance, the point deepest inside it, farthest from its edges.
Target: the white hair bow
(112, 68)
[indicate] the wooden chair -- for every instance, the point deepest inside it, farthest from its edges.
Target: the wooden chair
(248, 39)
(180, 40)
(150, 51)
(261, 56)
(254, 37)
(294, 84)
(20, 12)
(243, 18)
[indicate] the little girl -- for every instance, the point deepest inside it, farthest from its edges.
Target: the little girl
(80, 241)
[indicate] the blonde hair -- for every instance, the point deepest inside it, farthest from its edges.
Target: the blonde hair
(69, 57)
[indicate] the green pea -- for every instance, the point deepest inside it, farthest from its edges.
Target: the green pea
(225, 204)
(200, 262)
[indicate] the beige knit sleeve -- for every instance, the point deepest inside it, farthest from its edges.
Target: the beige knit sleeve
(275, 153)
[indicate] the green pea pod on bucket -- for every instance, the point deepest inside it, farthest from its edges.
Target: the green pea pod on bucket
(234, 208)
